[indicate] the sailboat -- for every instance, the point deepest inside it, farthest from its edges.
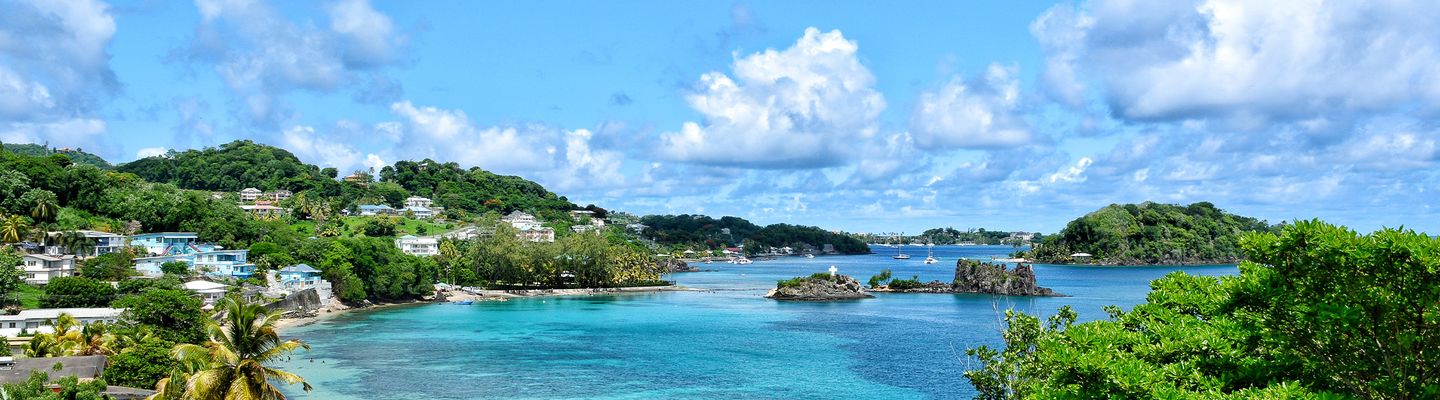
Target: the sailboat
(900, 252)
(931, 258)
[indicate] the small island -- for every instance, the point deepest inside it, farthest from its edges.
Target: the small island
(819, 287)
(971, 276)
(1149, 234)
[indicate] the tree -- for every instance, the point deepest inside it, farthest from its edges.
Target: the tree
(114, 266)
(1318, 311)
(177, 268)
(142, 364)
(77, 292)
(172, 314)
(13, 228)
(42, 204)
(235, 362)
(11, 277)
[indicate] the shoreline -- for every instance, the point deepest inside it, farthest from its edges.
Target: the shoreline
(337, 309)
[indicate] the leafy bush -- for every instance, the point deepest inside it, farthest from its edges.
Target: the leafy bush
(877, 280)
(905, 284)
(797, 281)
(77, 292)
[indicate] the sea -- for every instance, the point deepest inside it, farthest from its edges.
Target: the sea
(721, 341)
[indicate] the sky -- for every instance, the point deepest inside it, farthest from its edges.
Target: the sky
(856, 115)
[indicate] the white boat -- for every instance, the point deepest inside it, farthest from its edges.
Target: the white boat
(742, 261)
(900, 253)
(809, 256)
(931, 258)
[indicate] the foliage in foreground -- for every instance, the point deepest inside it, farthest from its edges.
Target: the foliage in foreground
(1318, 311)
(235, 363)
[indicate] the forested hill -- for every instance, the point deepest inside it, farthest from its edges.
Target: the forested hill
(231, 167)
(77, 156)
(475, 190)
(709, 233)
(1151, 233)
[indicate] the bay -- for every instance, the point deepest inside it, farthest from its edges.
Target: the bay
(725, 341)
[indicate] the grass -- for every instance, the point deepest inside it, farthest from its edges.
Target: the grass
(29, 296)
(355, 227)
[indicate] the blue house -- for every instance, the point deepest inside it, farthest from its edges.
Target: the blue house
(376, 209)
(215, 263)
(170, 243)
(299, 273)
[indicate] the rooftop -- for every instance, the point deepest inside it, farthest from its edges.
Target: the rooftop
(84, 367)
(52, 313)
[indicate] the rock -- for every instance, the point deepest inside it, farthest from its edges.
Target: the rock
(979, 277)
(672, 265)
(820, 287)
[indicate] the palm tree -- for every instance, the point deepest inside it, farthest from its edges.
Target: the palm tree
(232, 364)
(13, 229)
(44, 208)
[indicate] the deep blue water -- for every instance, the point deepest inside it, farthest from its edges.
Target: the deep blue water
(728, 342)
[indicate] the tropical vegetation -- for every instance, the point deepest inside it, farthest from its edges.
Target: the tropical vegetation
(236, 361)
(704, 232)
(1317, 311)
(1150, 233)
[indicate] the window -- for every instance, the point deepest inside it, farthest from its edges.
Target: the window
(12, 324)
(32, 325)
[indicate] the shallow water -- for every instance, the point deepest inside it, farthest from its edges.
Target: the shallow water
(727, 342)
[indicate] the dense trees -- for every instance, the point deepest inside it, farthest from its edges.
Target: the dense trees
(475, 190)
(707, 232)
(229, 168)
(1316, 310)
(575, 261)
(1152, 233)
(237, 362)
(75, 292)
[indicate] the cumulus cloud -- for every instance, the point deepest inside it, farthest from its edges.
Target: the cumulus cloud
(150, 152)
(261, 55)
(308, 145)
(802, 107)
(979, 114)
(55, 71)
(1254, 63)
(556, 157)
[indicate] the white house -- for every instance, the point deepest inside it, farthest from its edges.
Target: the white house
(100, 243)
(421, 212)
(40, 268)
(280, 195)
(250, 194)
(417, 201)
(263, 210)
(537, 233)
(519, 220)
(39, 320)
(210, 292)
(419, 246)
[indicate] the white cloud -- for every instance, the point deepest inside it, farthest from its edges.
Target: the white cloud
(150, 152)
(74, 132)
(802, 107)
(261, 55)
(1251, 63)
(326, 151)
(980, 114)
(55, 71)
(1075, 173)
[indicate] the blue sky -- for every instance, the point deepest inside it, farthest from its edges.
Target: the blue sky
(863, 116)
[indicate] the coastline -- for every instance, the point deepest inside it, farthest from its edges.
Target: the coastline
(337, 309)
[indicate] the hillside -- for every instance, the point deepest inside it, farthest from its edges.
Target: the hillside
(231, 167)
(709, 233)
(475, 190)
(77, 156)
(1151, 233)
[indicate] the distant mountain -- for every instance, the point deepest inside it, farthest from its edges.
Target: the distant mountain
(76, 155)
(1151, 233)
(708, 232)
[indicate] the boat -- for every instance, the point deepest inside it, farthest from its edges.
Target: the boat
(742, 261)
(463, 302)
(900, 253)
(809, 256)
(931, 258)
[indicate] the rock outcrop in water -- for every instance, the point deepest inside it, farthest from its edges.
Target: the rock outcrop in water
(819, 287)
(981, 277)
(672, 265)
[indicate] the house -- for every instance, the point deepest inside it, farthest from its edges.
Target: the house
(519, 219)
(249, 195)
(420, 212)
(280, 195)
(584, 228)
(100, 243)
(210, 292)
(264, 210)
(417, 201)
(169, 243)
(418, 246)
(376, 209)
(537, 233)
(1081, 256)
(299, 275)
(359, 177)
(41, 268)
(637, 228)
(581, 214)
(17, 370)
(39, 320)
(215, 263)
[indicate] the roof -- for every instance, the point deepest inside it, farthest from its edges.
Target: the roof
(84, 367)
(373, 207)
(419, 209)
(518, 214)
(188, 234)
(126, 393)
(1081, 255)
(299, 268)
(204, 286)
(52, 313)
(47, 257)
(416, 198)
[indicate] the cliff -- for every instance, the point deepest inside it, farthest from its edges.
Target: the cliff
(819, 287)
(979, 277)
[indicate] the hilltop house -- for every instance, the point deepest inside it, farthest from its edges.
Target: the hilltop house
(418, 246)
(41, 268)
(39, 320)
(170, 243)
(417, 201)
(369, 210)
(210, 292)
(249, 195)
(215, 263)
(100, 243)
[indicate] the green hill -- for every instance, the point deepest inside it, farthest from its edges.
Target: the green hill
(706, 232)
(476, 190)
(1151, 233)
(230, 167)
(77, 156)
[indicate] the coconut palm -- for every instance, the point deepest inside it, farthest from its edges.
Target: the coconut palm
(232, 364)
(45, 207)
(13, 229)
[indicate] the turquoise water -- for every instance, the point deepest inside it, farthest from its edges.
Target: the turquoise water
(726, 342)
